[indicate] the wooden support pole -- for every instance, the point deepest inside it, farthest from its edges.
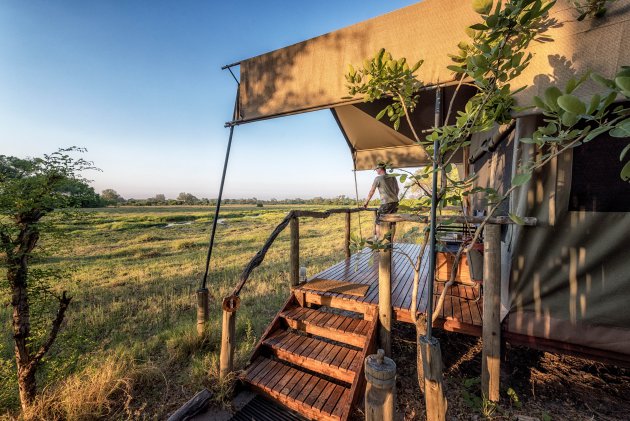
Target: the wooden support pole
(228, 336)
(380, 389)
(347, 236)
(385, 294)
(202, 310)
(434, 398)
(375, 224)
(491, 331)
(295, 252)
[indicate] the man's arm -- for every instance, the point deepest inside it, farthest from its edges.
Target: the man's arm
(370, 194)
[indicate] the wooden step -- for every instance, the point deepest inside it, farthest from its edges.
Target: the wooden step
(325, 299)
(343, 329)
(335, 361)
(311, 396)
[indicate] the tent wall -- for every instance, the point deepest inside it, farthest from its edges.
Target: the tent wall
(309, 75)
(566, 279)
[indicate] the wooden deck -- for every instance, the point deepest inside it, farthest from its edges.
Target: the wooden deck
(462, 312)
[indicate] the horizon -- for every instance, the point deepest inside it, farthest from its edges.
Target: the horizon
(140, 86)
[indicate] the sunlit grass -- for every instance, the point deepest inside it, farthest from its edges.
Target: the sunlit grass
(129, 345)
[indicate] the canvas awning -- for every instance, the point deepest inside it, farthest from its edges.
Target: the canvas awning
(310, 75)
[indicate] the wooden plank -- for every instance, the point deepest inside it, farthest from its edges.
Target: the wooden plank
(308, 388)
(294, 382)
(336, 302)
(300, 321)
(334, 397)
(307, 381)
(316, 392)
(315, 355)
(345, 404)
(275, 324)
(323, 397)
(267, 366)
(302, 392)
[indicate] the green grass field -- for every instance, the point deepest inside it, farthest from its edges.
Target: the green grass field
(129, 347)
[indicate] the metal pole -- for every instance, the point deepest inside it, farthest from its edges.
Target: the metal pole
(436, 156)
(218, 207)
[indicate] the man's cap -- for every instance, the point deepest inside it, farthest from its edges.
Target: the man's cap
(381, 164)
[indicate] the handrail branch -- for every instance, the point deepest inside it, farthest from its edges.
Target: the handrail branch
(260, 255)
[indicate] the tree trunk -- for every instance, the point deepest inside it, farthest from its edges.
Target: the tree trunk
(27, 385)
(21, 334)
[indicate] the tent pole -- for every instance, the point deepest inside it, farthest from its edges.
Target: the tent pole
(432, 223)
(218, 207)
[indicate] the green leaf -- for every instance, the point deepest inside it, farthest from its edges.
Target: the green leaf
(596, 132)
(381, 113)
(623, 82)
(517, 219)
(595, 100)
(571, 85)
(625, 172)
(622, 129)
(456, 69)
(540, 103)
(482, 7)
(551, 97)
(569, 119)
(624, 152)
(478, 27)
(520, 179)
(620, 132)
(572, 104)
(602, 80)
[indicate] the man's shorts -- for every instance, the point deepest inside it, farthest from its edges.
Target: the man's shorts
(385, 209)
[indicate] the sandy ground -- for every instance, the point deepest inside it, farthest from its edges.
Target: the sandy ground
(545, 386)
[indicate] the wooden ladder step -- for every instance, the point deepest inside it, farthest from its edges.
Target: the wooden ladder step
(335, 361)
(340, 328)
(312, 396)
(339, 302)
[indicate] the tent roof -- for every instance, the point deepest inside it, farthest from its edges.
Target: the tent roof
(310, 75)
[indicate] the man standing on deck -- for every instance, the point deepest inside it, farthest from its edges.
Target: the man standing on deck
(387, 189)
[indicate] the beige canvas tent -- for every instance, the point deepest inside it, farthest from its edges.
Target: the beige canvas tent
(567, 280)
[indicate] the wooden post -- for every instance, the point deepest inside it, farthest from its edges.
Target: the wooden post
(295, 251)
(228, 336)
(385, 295)
(435, 401)
(347, 237)
(380, 390)
(491, 331)
(375, 224)
(202, 310)
(194, 406)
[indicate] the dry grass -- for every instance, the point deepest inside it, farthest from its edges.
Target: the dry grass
(96, 393)
(129, 349)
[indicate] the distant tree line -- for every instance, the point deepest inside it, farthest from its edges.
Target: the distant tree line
(110, 197)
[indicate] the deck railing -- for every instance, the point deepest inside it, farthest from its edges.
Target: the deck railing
(231, 303)
(491, 329)
(491, 318)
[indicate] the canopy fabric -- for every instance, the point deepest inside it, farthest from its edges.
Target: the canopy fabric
(372, 141)
(309, 75)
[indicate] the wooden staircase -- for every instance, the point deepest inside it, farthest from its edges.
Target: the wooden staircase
(310, 359)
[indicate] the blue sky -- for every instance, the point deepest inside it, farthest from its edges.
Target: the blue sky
(138, 83)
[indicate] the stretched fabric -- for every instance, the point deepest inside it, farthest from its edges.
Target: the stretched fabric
(310, 75)
(567, 278)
